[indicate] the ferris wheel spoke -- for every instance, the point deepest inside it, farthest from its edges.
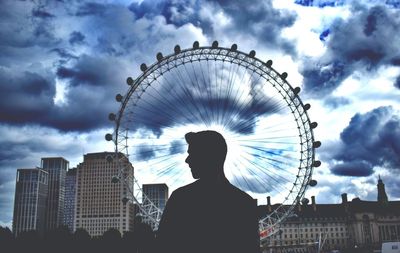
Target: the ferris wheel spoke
(201, 89)
(191, 98)
(274, 163)
(229, 91)
(167, 169)
(236, 101)
(242, 177)
(196, 87)
(246, 162)
(182, 105)
(174, 104)
(268, 151)
(269, 172)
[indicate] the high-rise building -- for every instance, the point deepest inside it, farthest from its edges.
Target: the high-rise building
(157, 193)
(31, 192)
(69, 201)
(57, 169)
(99, 204)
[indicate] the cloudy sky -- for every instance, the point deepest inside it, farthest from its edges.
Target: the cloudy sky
(61, 64)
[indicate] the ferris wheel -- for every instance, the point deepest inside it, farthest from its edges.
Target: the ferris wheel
(266, 126)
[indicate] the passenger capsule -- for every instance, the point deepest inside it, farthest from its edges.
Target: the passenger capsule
(316, 144)
(316, 163)
(129, 81)
(252, 53)
(177, 49)
(143, 67)
(112, 116)
(159, 56)
(313, 183)
(118, 97)
(109, 137)
(313, 125)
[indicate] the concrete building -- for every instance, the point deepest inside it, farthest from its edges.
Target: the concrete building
(348, 226)
(157, 193)
(57, 169)
(31, 191)
(69, 201)
(99, 204)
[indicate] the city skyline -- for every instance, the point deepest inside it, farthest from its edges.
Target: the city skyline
(59, 75)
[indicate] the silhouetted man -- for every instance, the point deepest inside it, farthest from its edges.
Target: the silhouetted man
(209, 215)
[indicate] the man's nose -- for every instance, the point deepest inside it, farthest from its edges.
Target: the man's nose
(187, 160)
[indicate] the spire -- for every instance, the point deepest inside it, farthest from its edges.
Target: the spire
(382, 197)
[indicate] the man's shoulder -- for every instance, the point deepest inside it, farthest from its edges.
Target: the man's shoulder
(185, 189)
(241, 194)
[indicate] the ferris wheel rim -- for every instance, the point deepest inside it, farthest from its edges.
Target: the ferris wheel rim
(233, 55)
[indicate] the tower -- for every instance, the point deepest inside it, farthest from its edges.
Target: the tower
(382, 197)
(31, 190)
(57, 169)
(69, 203)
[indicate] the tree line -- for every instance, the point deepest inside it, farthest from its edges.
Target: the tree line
(141, 240)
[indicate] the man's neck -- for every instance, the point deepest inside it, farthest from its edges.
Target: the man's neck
(215, 178)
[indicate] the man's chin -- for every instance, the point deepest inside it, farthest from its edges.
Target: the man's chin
(195, 175)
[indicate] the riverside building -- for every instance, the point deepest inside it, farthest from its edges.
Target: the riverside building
(351, 226)
(99, 204)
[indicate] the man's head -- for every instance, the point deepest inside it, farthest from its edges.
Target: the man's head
(207, 152)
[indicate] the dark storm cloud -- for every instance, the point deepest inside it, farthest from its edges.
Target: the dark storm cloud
(22, 26)
(374, 33)
(371, 139)
(76, 38)
(42, 13)
(63, 53)
(93, 84)
(355, 169)
(324, 35)
(177, 147)
(260, 19)
(29, 97)
(91, 8)
(144, 152)
(86, 72)
(35, 59)
(24, 97)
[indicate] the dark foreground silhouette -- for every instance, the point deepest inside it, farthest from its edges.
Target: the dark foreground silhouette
(209, 215)
(61, 240)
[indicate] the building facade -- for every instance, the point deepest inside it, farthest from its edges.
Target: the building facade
(351, 226)
(31, 192)
(69, 201)
(57, 169)
(156, 193)
(99, 204)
